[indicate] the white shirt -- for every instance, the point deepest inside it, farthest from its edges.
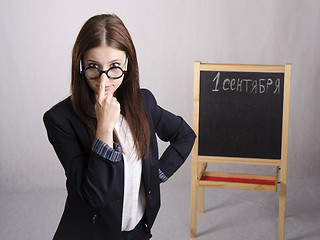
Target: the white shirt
(134, 203)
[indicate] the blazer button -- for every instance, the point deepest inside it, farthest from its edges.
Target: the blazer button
(149, 192)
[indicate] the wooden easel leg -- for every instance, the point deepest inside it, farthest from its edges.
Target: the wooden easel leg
(193, 220)
(201, 199)
(282, 210)
(201, 168)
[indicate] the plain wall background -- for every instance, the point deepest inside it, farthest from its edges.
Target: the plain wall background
(36, 39)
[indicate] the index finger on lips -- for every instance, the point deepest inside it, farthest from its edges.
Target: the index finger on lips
(101, 93)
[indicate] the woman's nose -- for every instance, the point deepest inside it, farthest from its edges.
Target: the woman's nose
(104, 77)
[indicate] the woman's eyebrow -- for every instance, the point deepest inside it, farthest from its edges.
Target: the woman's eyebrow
(116, 60)
(93, 61)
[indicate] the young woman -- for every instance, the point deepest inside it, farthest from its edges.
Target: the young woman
(104, 135)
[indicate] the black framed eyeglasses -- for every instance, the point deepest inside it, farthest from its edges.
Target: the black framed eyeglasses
(95, 73)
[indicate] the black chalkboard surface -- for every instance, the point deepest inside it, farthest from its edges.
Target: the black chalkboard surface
(240, 114)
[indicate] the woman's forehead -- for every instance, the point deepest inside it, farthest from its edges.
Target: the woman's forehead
(104, 54)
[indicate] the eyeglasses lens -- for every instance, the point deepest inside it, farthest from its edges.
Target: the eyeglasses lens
(115, 72)
(92, 73)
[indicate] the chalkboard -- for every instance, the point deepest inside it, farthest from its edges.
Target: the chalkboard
(240, 114)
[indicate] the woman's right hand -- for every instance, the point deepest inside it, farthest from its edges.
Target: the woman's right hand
(107, 110)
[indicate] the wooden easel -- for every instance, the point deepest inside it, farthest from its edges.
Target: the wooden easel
(200, 178)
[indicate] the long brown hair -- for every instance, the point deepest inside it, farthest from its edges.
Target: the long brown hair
(107, 29)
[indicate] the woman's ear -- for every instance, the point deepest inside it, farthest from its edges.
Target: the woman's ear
(127, 60)
(81, 67)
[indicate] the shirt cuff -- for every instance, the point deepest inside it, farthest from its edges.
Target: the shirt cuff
(162, 176)
(101, 148)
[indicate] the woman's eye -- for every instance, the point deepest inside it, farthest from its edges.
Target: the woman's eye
(115, 64)
(92, 65)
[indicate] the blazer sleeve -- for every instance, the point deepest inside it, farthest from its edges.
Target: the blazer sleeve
(173, 129)
(94, 177)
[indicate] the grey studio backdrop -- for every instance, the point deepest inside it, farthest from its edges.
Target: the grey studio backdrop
(36, 39)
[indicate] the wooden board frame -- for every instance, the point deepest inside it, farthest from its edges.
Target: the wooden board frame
(199, 163)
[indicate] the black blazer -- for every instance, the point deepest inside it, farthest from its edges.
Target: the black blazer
(95, 185)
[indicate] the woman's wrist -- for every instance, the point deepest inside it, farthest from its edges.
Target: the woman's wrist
(105, 136)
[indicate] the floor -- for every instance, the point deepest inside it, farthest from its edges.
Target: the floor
(229, 214)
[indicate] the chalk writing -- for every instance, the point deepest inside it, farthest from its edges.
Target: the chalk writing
(254, 86)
